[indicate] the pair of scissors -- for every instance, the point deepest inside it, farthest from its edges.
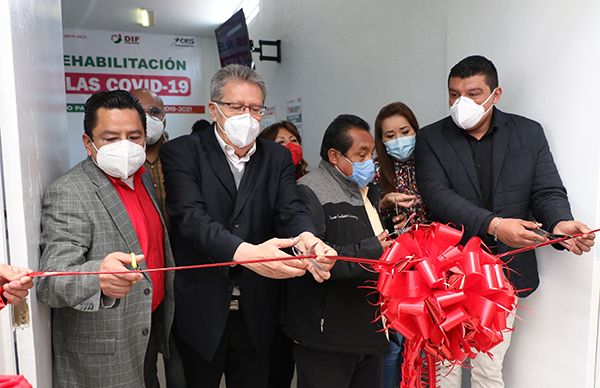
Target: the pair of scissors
(403, 229)
(298, 252)
(548, 235)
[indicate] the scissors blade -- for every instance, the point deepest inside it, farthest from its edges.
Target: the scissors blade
(548, 235)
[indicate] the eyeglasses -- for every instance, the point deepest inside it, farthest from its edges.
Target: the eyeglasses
(240, 108)
(155, 111)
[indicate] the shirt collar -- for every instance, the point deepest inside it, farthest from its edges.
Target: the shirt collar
(493, 126)
(230, 151)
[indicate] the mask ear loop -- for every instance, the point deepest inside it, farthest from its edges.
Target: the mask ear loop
(91, 141)
(486, 100)
(219, 109)
(222, 114)
(97, 151)
(348, 160)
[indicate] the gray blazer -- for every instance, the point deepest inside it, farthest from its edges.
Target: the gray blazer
(96, 341)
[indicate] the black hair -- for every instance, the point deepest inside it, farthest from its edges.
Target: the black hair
(200, 126)
(336, 134)
(475, 65)
(113, 99)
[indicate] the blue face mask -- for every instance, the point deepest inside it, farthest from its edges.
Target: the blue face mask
(362, 172)
(401, 148)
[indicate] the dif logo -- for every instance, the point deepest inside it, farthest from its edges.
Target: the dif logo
(128, 39)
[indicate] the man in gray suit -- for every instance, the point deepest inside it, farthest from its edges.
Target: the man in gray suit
(107, 329)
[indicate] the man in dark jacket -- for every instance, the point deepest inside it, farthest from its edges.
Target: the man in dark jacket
(489, 172)
(229, 195)
(338, 342)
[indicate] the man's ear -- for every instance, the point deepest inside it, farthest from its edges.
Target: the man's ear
(498, 94)
(212, 109)
(333, 156)
(87, 143)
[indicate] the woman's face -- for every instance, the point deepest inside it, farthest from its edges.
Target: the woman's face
(284, 137)
(394, 127)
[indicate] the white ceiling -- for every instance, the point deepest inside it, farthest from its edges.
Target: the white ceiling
(173, 17)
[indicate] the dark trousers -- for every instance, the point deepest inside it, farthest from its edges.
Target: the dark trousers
(174, 367)
(322, 369)
(150, 370)
(282, 361)
(236, 357)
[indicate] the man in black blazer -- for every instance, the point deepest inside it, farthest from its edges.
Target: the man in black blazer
(229, 195)
(493, 174)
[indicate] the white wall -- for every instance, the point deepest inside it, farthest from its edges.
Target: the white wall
(33, 134)
(354, 57)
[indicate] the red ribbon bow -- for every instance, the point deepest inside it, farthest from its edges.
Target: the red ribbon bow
(448, 301)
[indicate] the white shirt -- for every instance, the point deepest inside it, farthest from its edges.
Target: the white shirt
(236, 164)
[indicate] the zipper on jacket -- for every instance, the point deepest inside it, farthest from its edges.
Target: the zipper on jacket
(322, 323)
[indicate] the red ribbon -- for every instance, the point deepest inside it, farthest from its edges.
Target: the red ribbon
(374, 263)
(398, 250)
(17, 381)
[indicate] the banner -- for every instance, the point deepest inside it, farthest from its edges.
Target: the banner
(177, 68)
(106, 60)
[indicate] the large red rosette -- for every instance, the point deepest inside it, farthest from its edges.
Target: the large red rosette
(449, 302)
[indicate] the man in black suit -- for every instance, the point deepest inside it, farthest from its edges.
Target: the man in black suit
(229, 195)
(490, 172)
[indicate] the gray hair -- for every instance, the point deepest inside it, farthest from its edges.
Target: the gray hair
(234, 73)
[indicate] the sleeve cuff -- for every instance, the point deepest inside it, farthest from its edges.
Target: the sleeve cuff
(486, 225)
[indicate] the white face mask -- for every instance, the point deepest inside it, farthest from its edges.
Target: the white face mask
(154, 129)
(120, 159)
(242, 130)
(466, 113)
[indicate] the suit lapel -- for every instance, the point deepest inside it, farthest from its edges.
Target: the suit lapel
(113, 204)
(248, 184)
(501, 140)
(460, 144)
(217, 160)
